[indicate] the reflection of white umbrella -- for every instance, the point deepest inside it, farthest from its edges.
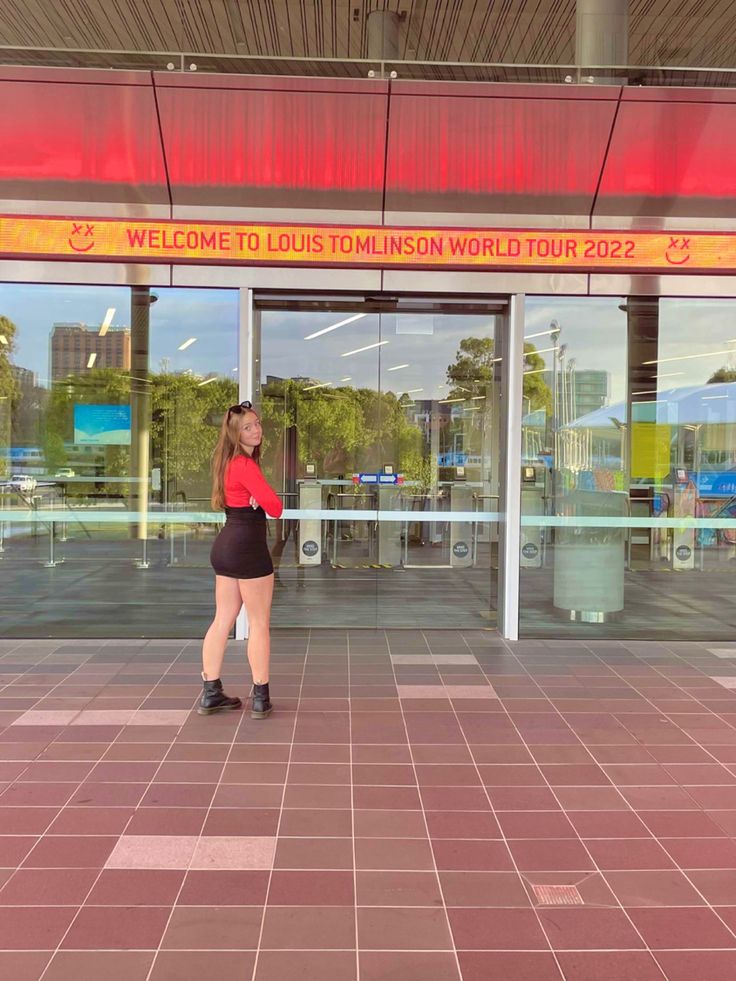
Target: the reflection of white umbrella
(695, 405)
(536, 418)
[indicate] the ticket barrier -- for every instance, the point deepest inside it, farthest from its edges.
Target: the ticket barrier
(682, 505)
(461, 532)
(310, 529)
(389, 532)
(353, 543)
(532, 503)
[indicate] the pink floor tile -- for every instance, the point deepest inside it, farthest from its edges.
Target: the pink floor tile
(136, 887)
(47, 887)
(470, 809)
(118, 965)
(227, 928)
(412, 659)
(727, 682)
(470, 691)
(103, 717)
(125, 928)
(509, 966)
(609, 965)
(454, 659)
(23, 965)
(160, 717)
(60, 717)
(686, 927)
(688, 965)
(307, 965)
(152, 852)
(194, 965)
(421, 691)
(34, 927)
(234, 853)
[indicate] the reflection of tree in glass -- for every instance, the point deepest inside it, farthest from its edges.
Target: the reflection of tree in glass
(722, 375)
(342, 430)
(474, 368)
(184, 418)
(9, 389)
(104, 386)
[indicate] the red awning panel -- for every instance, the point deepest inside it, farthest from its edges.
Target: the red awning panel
(80, 140)
(512, 150)
(273, 145)
(545, 154)
(671, 158)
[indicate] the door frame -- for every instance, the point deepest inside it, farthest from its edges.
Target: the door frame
(511, 336)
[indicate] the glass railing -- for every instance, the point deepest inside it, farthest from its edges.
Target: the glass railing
(450, 71)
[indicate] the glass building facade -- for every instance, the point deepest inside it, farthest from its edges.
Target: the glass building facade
(387, 436)
(540, 447)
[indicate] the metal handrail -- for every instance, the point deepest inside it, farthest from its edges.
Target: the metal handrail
(278, 65)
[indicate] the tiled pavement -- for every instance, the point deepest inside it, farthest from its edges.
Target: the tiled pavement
(437, 806)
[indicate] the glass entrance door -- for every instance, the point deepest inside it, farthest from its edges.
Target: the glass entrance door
(382, 422)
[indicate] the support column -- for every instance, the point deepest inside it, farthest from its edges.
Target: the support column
(642, 344)
(383, 35)
(249, 386)
(141, 301)
(601, 37)
(510, 503)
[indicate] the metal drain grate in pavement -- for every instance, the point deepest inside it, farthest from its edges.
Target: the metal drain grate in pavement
(558, 895)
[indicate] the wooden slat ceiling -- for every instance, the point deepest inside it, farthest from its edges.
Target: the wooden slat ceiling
(662, 32)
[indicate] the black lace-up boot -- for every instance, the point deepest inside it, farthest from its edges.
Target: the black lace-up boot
(214, 699)
(261, 702)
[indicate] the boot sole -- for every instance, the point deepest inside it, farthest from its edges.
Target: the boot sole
(219, 708)
(261, 715)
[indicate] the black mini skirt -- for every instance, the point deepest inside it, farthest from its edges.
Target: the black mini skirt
(240, 550)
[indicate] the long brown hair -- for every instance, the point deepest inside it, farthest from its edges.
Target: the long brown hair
(227, 448)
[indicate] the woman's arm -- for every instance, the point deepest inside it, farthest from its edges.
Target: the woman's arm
(257, 485)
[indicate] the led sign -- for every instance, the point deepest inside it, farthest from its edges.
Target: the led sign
(105, 239)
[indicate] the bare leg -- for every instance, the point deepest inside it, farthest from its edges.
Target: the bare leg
(257, 595)
(228, 603)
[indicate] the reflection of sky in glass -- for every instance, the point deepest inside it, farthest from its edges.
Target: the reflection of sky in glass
(593, 328)
(424, 345)
(209, 315)
(695, 327)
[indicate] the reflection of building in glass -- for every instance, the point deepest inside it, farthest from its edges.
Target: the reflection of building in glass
(299, 379)
(25, 379)
(419, 412)
(72, 347)
(579, 391)
(31, 399)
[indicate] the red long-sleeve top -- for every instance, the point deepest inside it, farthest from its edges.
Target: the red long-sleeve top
(244, 480)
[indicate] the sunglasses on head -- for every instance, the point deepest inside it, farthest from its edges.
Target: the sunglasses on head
(240, 407)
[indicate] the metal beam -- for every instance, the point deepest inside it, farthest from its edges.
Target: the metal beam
(510, 504)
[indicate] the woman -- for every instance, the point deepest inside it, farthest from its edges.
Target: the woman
(240, 558)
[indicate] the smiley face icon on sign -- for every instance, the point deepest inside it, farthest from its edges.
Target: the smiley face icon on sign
(678, 251)
(82, 237)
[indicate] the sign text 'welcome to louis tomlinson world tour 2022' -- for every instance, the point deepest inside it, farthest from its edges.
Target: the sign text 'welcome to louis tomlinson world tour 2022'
(129, 240)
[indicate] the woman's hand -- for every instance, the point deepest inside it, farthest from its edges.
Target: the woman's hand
(253, 502)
